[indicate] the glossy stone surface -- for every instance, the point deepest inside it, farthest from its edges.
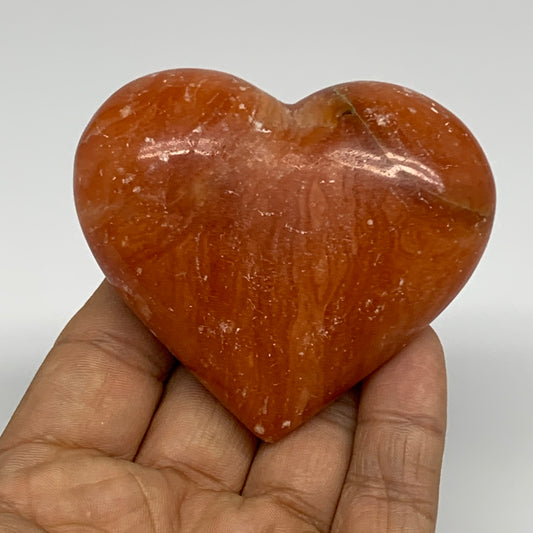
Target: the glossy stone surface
(281, 252)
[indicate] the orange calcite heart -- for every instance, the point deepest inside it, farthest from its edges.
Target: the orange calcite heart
(281, 252)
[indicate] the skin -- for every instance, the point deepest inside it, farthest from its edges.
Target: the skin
(114, 435)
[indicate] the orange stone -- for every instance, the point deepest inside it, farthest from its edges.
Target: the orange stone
(281, 252)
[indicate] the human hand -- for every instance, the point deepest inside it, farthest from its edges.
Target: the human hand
(113, 435)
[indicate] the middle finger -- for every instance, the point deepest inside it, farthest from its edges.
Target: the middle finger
(194, 434)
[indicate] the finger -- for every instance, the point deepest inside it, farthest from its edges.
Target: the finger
(99, 385)
(193, 433)
(304, 472)
(393, 479)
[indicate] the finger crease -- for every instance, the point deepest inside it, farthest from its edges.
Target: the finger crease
(122, 351)
(295, 503)
(425, 423)
(392, 491)
(192, 474)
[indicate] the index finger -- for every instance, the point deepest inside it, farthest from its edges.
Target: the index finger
(99, 385)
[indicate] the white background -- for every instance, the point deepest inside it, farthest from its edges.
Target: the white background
(59, 60)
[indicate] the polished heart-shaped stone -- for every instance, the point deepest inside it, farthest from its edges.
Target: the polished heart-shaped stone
(281, 252)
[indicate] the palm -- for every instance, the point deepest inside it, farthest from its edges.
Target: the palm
(113, 436)
(123, 496)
